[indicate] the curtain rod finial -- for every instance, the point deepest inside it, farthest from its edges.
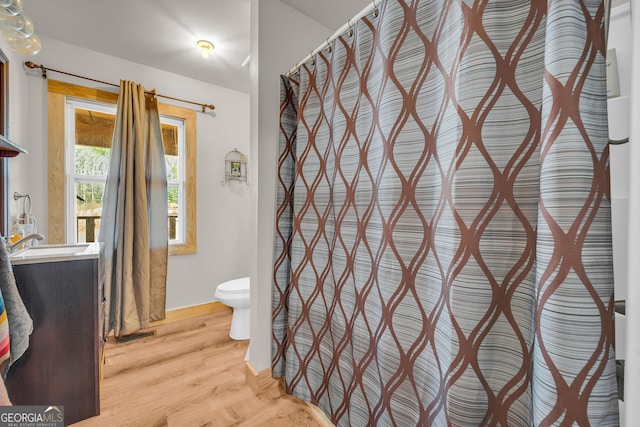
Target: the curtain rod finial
(32, 65)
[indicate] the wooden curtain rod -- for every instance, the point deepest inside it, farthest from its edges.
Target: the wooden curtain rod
(44, 69)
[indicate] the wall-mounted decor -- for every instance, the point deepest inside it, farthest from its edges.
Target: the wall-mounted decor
(236, 167)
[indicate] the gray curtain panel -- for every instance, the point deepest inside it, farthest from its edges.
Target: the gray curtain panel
(443, 237)
(134, 225)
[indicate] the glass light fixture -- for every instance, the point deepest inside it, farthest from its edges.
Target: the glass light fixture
(10, 7)
(25, 45)
(205, 47)
(17, 28)
(19, 23)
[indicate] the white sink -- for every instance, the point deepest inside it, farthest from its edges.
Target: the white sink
(52, 253)
(53, 250)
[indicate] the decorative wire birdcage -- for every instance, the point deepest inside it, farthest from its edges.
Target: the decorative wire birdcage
(236, 164)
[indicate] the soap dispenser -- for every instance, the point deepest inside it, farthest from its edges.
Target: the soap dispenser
(25, 223)
(18, 231)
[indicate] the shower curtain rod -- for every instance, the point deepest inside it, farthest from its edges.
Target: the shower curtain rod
(44, 69)
(374, 6)
(346, 27)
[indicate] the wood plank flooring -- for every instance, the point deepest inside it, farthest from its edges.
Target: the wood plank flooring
(189, 374)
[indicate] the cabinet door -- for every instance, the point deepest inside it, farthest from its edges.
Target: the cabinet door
(61, 366)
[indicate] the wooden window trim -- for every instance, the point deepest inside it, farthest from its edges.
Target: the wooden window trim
(57, 93)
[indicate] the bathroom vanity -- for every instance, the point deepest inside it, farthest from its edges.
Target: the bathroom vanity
(60, 288)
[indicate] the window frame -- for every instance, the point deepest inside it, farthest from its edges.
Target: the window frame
(4, 129)
(57, 185)
(180, 183)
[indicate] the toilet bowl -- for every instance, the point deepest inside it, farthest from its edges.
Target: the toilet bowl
(235, 294)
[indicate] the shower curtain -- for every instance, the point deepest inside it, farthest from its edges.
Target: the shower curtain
(443, 243)
(134, 216)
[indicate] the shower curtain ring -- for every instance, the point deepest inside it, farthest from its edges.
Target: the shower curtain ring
(375, 9)
(350, 29)
(328, 45)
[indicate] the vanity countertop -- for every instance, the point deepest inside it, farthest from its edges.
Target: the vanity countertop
(56, 253)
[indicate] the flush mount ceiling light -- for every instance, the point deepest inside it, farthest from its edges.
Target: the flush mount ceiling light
(205, 47)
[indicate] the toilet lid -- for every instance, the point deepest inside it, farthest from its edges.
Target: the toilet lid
(235, 286)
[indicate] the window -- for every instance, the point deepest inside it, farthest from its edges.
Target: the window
(81, 122)
(88, 149)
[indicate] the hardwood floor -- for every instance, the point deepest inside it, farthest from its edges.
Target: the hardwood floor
(189, 374)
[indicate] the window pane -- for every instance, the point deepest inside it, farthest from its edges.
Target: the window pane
(92, 161)
(94, 128)
(170, 138)
(174, 225)
(173, 168)
(89, 209)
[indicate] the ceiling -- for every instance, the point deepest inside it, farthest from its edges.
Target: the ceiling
(163, 33)
(332, 14)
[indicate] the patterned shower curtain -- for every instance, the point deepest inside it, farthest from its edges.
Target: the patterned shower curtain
(443, 242)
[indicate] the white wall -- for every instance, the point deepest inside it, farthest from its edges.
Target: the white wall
(20, 119)
(280, 37)
(223, 211)
(632, 366)
(618, 130)
(619, 30)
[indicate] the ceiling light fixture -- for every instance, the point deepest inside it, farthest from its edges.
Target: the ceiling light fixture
(17, 28)
(205, 47)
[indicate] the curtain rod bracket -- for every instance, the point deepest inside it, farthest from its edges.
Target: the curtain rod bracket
(32, 65)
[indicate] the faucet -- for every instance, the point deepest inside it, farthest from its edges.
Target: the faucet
(14, 246)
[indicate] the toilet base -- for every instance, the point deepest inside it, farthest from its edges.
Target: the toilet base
(240, 324)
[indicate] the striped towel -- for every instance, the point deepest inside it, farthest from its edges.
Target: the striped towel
(5, 345)
(20, 323)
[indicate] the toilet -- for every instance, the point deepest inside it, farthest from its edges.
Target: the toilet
(235, 294)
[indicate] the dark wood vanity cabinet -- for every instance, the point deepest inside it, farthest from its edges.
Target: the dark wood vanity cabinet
(62, 364)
